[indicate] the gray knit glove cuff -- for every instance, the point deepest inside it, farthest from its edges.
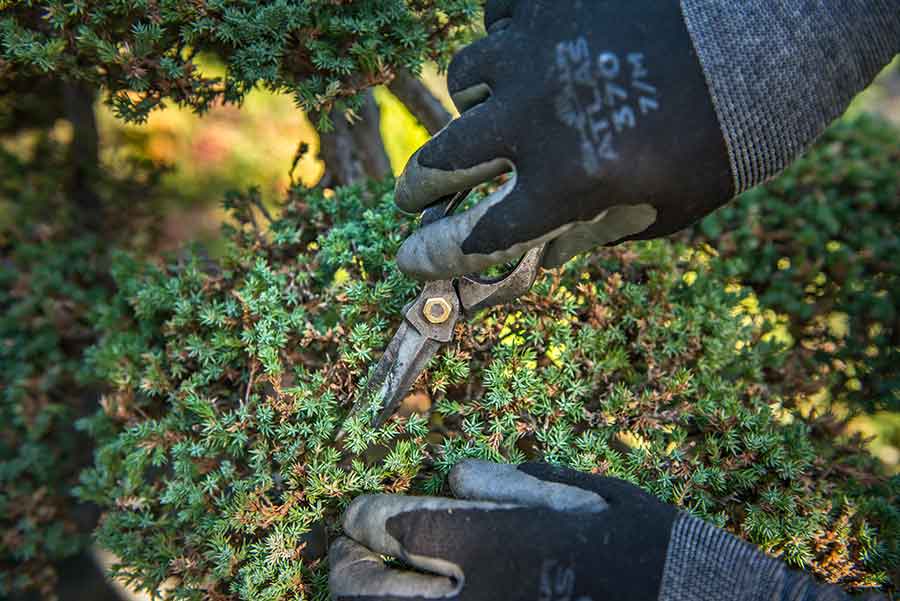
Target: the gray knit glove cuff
(780, 71)
(705, 563)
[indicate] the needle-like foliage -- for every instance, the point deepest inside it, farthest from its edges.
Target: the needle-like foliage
(216, 458)
(820, 248)
(52, 275)
(144, 51)
(47, 290)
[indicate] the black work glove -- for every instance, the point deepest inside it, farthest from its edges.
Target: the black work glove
(540, 533)
(601, 110)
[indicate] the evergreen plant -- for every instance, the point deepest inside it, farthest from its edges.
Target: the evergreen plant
(216, 458)
(144, 52)
(54, 58)
(224, 382)
(53, 274)
(819, 247)
(47, 289)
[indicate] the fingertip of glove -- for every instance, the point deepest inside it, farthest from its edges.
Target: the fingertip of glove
(554, 474)
(409, 259)
(420, 186)
(344, 550)
(470, 471)
(432, 253)
(353, 515)
(403, 191)
(504, 483)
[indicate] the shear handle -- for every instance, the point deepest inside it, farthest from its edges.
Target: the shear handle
(443, 207)
(476, 293)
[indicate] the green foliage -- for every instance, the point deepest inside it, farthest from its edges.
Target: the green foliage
(52, 276)
(47, 290)
(229, 380)
(144, 52)
(820, 246)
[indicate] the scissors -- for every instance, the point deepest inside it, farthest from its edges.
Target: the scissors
(429, 321)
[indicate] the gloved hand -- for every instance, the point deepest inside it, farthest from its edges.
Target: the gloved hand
(601, 110)
(542, 533)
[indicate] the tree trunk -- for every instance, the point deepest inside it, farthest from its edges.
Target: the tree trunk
(336, 150)
(354, 151)
(369, 144)
(420, 101)
(84, 155)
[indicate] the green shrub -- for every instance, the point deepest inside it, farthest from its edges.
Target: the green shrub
(47, 290)
(228, 381)
(52, 276)
(819, 246)
(144, 52)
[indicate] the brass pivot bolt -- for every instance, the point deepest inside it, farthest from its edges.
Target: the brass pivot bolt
(437, 310)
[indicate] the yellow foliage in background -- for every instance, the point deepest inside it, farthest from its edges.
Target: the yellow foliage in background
(236, 147)
(401, 132)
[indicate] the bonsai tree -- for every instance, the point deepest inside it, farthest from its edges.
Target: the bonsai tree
(56, 59)
(325, 54)
(215, 388)
(216, 457)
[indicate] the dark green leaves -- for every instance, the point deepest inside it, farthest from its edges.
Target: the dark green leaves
(144, 52)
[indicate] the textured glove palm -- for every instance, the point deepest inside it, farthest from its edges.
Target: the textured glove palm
(542, 533)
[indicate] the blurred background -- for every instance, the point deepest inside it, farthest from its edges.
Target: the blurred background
(235, 147)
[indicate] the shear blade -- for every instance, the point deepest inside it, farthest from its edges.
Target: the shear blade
(405, 358)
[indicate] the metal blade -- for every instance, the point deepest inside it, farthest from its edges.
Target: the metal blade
(405, 358)
(428, 323)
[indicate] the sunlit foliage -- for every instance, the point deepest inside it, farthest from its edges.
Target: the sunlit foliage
(216, 457)
(820, 247)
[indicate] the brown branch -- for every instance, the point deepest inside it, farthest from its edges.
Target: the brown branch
(420, 101)
(84, 154)
(368, 143)
(336, 150)
(250, 381)
(354, 151)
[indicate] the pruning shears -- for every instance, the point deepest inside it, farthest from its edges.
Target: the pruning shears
(430, 320)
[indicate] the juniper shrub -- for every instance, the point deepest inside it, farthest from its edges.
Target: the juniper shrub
(227, 381)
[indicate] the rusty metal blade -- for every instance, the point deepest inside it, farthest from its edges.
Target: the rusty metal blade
(405, 358)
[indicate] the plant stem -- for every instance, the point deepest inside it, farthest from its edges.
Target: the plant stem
(84, 157)
(369, 144)
(354, 151)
